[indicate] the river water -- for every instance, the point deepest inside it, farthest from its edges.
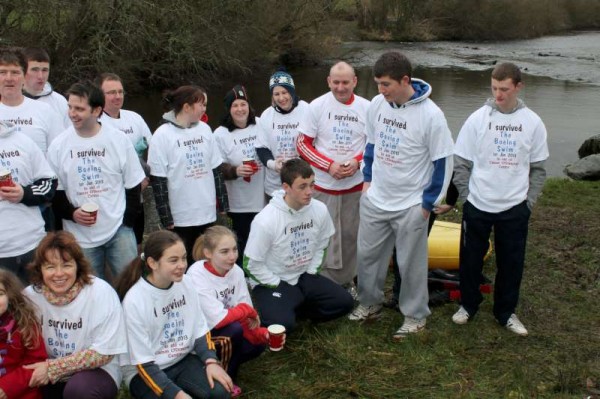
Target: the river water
(562, 83)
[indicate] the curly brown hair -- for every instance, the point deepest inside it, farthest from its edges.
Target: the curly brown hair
(22, 309)
(68, 248)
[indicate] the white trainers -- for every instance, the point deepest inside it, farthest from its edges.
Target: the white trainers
(514, 325)
(461, 316)
(410, 326)
(361, 313)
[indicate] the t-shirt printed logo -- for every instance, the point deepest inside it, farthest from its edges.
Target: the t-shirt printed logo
(173, 340)
(226, 297)
(388, 140)
(286, 139)
(62, 342)
(343, 129)
(247, 146)
(505, 145)
(8, 162)
(90, 182)
(196, 167)
(300, 244)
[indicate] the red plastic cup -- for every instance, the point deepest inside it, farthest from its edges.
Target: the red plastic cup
(91, 209)
(276, 337)
(6, 178)
(253, 165)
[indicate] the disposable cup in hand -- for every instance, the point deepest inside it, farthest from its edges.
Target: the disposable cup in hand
(276, 337)
(6, 178)
(91, 209)
(252, 163)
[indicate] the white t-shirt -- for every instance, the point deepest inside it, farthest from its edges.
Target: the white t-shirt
(162, 324)
(94, 320)
(501, 147)
(95, 169)
(218, 294)
(59, 105)
(340, 134)
(36, 119)
(130, 123)
(23, 226)
(235, 147)
(284, 243)
(278, 133)
(187, 157)
(406, 142)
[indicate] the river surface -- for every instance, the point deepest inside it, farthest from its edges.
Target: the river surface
(562, 83)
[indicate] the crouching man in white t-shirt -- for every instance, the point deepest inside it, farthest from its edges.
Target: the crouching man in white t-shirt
(97, 164)
(286, 250)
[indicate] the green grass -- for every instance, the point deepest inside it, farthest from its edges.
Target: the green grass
(559, 306)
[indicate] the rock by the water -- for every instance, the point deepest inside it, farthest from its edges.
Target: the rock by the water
(590, 146)
(587, 168)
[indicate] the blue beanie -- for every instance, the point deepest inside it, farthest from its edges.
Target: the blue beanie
(283, 79)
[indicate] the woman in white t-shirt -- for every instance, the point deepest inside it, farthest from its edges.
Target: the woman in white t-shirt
(279, 124)
(171, 354)
(82, 323)
(184, 167)
(225, 298)
(244, 175)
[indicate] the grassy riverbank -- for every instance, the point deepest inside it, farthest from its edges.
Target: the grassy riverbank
(559, 305)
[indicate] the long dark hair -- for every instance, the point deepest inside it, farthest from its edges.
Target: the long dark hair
(154, 247)
(21, 309)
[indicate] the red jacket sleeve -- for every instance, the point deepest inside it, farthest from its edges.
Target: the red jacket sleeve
(308, 152)
(16, 382)
(239, 313)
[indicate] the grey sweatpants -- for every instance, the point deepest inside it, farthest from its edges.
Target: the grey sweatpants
(340, 263)
(378, 232)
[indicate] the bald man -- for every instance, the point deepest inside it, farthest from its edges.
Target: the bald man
(332, 139)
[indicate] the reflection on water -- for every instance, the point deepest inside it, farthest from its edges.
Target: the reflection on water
(569, 110)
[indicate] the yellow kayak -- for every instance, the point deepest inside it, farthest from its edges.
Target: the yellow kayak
(444, 246)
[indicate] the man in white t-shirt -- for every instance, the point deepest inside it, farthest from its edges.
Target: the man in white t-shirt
(285, 252)
(97, 164)
(33, 184)
(332, 140)
(407, 170)
(37, 86)
(499, 170)
(33, 118)
(37, 120)
(132, 125)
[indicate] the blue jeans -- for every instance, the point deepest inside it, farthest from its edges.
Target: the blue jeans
(118, 252)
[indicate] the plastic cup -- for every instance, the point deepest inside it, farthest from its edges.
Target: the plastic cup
(276, 336)
(6, 178)
(91, 209)
(253, 165)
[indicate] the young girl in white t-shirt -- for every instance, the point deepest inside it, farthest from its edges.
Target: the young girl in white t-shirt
(184, 165)
(21, 341)
(225, 298)
(171, 354)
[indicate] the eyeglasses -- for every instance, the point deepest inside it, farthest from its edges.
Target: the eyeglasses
(114, 92)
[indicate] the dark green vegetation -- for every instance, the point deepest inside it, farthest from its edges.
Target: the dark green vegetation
(559, 306)
(160, 43)
(417, 20)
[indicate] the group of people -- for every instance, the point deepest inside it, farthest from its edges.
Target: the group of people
(319, 196)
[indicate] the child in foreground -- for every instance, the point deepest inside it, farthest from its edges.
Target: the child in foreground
(225, 298)
(21, 341)
(171, 354)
